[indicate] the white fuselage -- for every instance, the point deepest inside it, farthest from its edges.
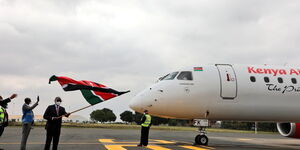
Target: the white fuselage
(226, 92)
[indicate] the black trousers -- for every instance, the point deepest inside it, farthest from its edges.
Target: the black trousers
(144, 136)
(1, 130)
(52, 134)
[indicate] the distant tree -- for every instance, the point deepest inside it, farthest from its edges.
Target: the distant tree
(103, 115)
(109, 115)
(172, 122)
(137, 117)
(155, 120)
(158, 120)
(237, 125)
(98, 115)
(127, 116)
(178, 122)
(267, 126)
(262, 126)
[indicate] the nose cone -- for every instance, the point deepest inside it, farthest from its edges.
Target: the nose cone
(136, 104)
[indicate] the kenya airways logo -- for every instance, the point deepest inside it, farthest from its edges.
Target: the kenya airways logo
(273, 72)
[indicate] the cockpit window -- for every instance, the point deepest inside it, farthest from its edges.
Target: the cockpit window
(169, 76)
(185, 75)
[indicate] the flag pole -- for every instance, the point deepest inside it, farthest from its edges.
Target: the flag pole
(77, 110)
(80, 109)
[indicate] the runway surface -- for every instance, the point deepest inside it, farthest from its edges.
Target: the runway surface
(123, 139)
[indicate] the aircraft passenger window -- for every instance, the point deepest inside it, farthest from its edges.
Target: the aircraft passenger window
(185, 75)
(252, 79)
(267, 80)
(280, 80)
(170, 76)
(294, 80)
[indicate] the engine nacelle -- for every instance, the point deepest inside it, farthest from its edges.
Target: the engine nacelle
(289, 129)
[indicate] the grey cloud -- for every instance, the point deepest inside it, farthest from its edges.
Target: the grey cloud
(129, 44)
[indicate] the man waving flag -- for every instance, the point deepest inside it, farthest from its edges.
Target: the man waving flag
(93, 92)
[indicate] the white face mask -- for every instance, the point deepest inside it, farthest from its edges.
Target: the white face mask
(57, 103)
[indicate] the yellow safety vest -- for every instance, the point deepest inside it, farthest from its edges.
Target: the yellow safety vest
(1, 115)
(147, 121)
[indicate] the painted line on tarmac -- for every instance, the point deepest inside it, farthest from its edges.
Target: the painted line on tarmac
(119, 142)
(193, 147)
(190, 143)
(34, 143)
(111, 144)
(153, 147)
(122, 147)
(117, 147)
(163, 141)
(244, 139)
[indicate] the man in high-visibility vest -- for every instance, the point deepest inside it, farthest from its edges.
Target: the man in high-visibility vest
(2, 119)
(146, 123)
(3, 113)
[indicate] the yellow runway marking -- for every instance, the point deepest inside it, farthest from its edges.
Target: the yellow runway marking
(13, 143)
(32, 143)
(206, 147)
(118, 147)
(106, 141)
(154, 147)
(111, 144)
(121, 147)
(164, 142)
(112, 141)
(193, 147)
(245, 139)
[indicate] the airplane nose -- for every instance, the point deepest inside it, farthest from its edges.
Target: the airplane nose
(136, 104)
(132, 104)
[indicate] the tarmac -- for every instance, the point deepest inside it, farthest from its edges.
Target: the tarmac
(125, 139)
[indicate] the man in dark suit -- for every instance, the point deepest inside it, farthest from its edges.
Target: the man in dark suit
(53, 115)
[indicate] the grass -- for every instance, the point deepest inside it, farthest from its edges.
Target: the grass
(129, 126)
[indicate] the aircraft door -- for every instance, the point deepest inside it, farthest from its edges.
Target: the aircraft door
(228, 81)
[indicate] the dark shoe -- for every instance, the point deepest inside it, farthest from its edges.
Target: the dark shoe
(140, 145)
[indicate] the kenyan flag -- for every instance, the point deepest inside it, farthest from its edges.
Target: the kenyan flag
(93, 92)
(198, 68)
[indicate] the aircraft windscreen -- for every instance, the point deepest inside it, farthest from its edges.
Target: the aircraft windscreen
(169, 76)
(185, 75)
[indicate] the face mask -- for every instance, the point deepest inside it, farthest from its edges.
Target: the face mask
(57, 103)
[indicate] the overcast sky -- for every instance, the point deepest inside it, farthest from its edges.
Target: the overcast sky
(128, 45)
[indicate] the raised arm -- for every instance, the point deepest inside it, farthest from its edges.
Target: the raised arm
(27, 108)
(5, 101)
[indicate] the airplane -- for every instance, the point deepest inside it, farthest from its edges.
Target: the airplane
(266, 93)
